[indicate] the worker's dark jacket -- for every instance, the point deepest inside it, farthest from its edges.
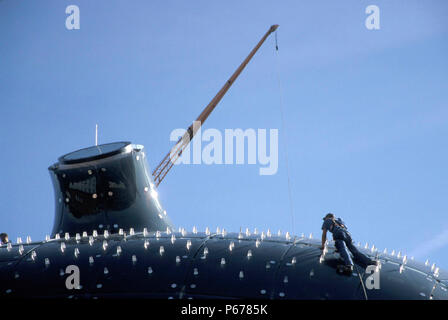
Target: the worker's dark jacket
(335, 228)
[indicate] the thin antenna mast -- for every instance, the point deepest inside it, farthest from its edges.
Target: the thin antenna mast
(96, 134)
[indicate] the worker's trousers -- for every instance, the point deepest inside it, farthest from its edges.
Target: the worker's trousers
(344, 244)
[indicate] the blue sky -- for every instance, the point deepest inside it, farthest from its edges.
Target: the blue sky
(366, 111)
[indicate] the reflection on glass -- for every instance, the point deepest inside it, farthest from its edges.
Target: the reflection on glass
(90, 191)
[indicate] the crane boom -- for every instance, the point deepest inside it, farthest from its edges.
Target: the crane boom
(168, 161)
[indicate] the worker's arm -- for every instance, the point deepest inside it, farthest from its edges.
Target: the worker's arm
(324, 238)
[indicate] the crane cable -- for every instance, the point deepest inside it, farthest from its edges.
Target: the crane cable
(284, 136)
(362, 283)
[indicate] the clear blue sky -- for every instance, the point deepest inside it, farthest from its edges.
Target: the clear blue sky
(366, 111)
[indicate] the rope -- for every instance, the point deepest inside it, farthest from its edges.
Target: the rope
(285, 136)
(362, 282)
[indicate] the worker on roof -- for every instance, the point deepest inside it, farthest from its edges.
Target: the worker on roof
(4, 238)
(343, 242)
